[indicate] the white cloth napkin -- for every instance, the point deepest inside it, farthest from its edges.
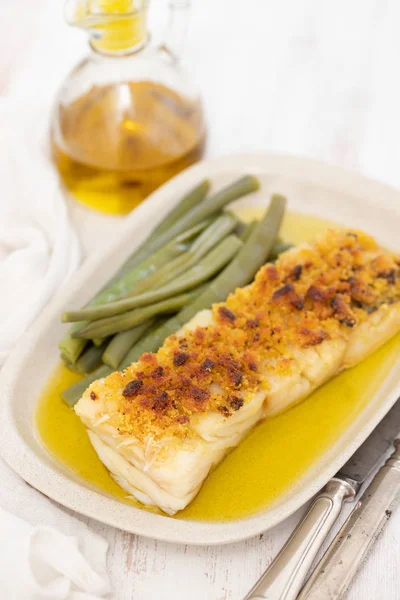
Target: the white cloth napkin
(38, 247)
(45, 552)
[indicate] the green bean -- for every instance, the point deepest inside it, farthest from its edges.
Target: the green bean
(172, 250)
(216, 231)
(166, 272)
(192, 232)
(208, 207)
(216, 202)
(122, 342)
(72, 394)
(129, 319)
(206, 241)
(156, 324)
(240, 271)
(91, 359)
(191, 199)
(213, 204)
(70, 366)
(222, 226)
(151, 341)
(72, 347)
(208, 266)
(247, 262)
(247, 231)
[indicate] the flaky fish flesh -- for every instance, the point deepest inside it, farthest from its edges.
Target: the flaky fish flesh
(163, 423)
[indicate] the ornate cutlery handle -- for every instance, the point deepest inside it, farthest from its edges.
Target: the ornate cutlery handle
(334, 573)
(285, 576)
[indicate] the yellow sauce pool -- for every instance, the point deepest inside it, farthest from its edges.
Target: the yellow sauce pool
(271, 458)
(64, 435)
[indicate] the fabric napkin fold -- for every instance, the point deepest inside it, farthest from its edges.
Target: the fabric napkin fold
(45, 552)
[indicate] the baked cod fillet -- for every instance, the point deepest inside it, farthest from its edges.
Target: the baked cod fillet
(164, 422)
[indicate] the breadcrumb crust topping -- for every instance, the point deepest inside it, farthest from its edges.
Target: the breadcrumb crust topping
(312, 293)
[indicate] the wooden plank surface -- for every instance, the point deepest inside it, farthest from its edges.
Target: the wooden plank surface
(297, 76)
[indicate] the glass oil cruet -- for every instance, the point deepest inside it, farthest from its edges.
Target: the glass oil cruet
(126, 119)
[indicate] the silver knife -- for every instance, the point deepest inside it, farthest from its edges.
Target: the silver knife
(285, 576)
(334, 573)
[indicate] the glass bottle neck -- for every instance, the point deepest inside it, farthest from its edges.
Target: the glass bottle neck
(121, 35)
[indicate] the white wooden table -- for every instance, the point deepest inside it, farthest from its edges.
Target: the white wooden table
(307, 77)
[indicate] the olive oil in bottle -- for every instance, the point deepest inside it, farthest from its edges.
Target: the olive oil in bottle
(126, 119)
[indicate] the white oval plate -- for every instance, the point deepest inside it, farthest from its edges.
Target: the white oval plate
(312, 188)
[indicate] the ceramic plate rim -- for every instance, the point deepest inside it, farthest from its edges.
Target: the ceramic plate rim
(66, 489)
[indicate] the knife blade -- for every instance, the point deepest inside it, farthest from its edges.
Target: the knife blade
(371, 452)
(285, 576)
